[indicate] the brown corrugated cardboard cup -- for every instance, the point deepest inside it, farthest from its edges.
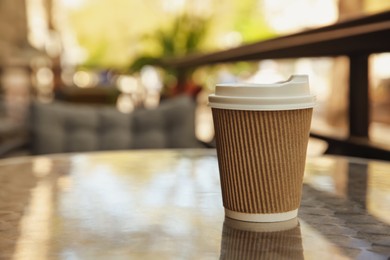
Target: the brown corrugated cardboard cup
(261, 147)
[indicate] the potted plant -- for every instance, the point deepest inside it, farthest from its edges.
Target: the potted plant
(183, 37)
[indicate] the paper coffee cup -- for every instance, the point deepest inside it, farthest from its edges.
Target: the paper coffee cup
(262, 131)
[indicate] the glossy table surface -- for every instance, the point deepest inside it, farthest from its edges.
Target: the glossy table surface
(167, 205)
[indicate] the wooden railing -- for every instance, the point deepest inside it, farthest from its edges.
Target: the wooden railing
(356, 39)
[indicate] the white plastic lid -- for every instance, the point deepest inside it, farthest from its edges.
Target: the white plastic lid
(293, 93)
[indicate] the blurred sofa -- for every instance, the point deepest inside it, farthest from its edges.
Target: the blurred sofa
(63, 127)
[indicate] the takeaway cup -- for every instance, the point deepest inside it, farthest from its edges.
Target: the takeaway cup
(261, 132)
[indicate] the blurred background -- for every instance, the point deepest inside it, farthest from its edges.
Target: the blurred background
(109, 52)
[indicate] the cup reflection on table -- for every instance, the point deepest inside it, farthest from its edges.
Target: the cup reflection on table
(246, 240)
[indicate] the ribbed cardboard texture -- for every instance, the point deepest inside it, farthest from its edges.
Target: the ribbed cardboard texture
(242, 244)
(261, 157)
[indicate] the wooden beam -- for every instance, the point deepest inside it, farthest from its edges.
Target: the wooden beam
(368, 38)
(359, 109)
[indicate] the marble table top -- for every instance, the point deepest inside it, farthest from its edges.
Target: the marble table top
(166, 204)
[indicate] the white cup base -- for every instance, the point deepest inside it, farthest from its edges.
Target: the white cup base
(261, 226)
(270, 217)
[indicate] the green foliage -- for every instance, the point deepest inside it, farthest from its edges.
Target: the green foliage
(112, 32)
(249, 21)
(183, 37)
(142, 61)
(108, 30)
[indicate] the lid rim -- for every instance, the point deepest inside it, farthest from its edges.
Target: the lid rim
(262, 107)
(269, 98)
